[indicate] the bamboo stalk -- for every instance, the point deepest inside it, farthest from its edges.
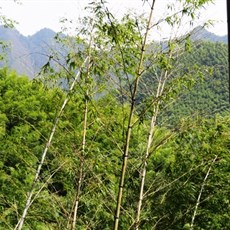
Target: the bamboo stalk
(200, 193)
(78, 195)
(81, 173)
(47, 146)
(160, 89)
(80, 180)
(129, 129)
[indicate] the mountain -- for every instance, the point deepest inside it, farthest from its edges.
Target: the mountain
(200, 33)
(28, 54)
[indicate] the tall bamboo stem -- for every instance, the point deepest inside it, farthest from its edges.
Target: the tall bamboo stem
(81, 172)
(200, 193)
(129, 128)
(160, 89)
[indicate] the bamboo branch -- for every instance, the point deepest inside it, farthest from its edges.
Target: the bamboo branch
(46, 182)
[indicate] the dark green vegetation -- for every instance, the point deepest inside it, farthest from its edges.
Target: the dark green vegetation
(209, 96)
(158, 118)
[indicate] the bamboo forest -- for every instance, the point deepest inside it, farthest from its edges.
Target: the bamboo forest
(118, 130)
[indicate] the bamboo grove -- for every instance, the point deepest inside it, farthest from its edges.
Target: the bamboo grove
(89, 144)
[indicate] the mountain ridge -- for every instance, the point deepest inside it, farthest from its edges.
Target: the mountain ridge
(27, 54)
(200, 33)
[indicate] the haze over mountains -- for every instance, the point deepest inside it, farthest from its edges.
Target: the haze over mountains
(28, 54)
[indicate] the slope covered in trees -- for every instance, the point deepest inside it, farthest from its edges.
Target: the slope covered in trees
(209, 95)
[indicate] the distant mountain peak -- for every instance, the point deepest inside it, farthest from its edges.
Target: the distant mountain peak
(24, 54)
(43, 34)
(45, 31)
(5, 31)
(200, 33)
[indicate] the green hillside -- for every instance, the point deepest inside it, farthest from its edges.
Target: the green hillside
(210, 94)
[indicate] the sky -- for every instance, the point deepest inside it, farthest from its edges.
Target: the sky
(33, 15)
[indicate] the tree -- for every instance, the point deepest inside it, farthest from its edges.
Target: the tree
(114, 31)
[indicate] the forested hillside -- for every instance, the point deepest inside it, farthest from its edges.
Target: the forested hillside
(209, 95)
(120, 133)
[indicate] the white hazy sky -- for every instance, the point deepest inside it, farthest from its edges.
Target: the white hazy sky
(33, 15)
